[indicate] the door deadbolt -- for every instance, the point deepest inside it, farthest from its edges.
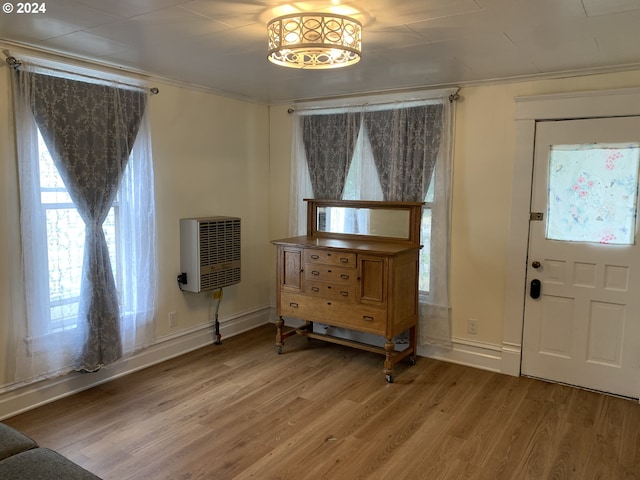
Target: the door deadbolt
(536, 285)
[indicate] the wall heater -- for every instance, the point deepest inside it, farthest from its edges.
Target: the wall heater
(209, 253)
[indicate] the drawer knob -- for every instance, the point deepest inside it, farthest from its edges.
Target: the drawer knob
(315, 289)
(344, 293)
(367, 318)
(315, 257)
(315, 272)
(344, 276)
(344, 260)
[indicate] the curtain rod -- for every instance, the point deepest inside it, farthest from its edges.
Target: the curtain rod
(15, 64)
(452, 97)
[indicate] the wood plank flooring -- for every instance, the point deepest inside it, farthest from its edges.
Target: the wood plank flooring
(320, 411)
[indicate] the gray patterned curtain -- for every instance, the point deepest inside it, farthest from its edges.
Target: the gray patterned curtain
(405, 144)
(90, 130)
(329, 141)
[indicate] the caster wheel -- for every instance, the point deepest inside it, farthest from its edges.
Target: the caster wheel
(278, 349)
(389, 378)
(412, 360)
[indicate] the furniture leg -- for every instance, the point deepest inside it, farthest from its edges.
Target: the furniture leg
(279, 335)
(308, 326)
(389, 349)
(413, 344)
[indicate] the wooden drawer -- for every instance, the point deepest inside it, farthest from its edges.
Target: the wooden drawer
(329, 273)
(338, 313)
(330, 291)
(330, 257)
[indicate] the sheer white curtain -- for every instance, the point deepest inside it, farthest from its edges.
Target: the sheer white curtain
(434, 304)
(136, 239)
(300, 181)
(363, 182)
(59, 327)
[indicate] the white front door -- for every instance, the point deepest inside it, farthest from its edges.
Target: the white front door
(583, 327)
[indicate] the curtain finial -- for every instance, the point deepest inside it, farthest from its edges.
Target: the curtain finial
(13, 62)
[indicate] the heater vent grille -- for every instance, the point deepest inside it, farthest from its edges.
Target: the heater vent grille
(210, 252)
(219, 241)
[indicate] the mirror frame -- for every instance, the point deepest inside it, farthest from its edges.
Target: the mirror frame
(414, 209)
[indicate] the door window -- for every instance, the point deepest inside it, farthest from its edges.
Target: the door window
(593, 193)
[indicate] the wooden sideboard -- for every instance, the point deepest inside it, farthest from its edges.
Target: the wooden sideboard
(361, 280)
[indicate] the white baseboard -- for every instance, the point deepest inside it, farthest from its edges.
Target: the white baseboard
(511, 355)
(486, 356)
(23, 398)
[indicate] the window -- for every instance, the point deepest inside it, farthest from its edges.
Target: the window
(87, 221)
(592, 193)
(363, 162)
(386, 147)
(424, 282)
(64, 245)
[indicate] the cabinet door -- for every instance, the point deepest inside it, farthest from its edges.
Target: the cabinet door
(373, 279)
(290, 268)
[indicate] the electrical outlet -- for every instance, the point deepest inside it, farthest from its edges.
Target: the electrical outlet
(173, 320)
(472, 326)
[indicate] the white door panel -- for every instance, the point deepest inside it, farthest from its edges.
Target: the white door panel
(584, 329)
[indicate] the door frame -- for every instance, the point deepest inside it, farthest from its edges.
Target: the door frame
(530, 110)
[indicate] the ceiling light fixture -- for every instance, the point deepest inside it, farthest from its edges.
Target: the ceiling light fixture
(314, 40)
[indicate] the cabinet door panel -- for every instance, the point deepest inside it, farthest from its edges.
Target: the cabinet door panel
(291, 268)
(373, 276)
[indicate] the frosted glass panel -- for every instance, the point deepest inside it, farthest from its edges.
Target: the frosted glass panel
(592, 193)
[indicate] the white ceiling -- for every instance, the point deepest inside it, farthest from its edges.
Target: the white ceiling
(220, 45)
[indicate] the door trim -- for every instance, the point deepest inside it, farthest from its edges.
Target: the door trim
(529, 110)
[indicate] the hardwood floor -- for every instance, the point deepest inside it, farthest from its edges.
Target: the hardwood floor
(319, 411)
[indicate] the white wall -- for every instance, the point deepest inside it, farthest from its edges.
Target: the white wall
(211, 157)
(482, 189)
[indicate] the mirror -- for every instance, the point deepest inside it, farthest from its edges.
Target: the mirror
(378, 222)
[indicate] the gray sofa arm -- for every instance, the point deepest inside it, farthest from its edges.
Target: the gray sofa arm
(42, 464)
(22, 459)
(12, 442)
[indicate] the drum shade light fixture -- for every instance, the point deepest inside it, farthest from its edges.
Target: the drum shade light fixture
(314, 40)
